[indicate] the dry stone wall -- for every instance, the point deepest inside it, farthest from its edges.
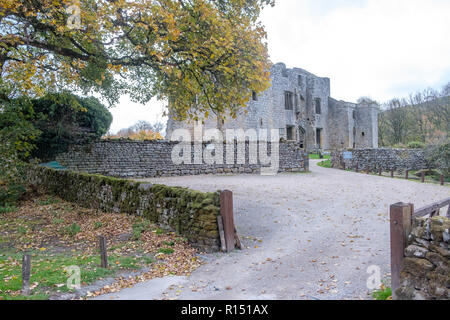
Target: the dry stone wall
(192, 214)
(387, 159)
(122, 158)
(426, 267)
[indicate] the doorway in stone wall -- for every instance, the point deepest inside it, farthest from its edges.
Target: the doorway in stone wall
(302, 137)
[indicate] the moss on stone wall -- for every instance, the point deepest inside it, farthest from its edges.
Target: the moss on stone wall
(192, 214)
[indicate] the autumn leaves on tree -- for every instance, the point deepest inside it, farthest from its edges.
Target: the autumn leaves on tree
(203, 56)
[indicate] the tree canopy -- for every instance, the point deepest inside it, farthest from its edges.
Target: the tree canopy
(201, 55)
(420, 118)
(65, 119)
(141, 130)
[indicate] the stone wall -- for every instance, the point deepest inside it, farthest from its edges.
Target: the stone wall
(122, 158)
(192, 214)
(426, 267)
(387, 159)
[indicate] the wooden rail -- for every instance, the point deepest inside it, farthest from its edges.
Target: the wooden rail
(433, 209)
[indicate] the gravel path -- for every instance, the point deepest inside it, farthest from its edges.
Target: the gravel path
(305, 236)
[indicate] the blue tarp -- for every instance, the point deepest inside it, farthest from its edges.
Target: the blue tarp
(53, 165)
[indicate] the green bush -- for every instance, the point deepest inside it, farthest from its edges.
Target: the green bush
(416, 145)
(66, 119)
(439, 157)
(10, 194)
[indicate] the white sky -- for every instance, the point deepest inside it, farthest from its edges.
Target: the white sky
(377, 48)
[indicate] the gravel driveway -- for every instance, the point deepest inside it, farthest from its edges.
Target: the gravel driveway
(305, 236)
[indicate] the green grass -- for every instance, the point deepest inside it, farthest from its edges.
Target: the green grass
(97, 225)
(50, 200)
(325, 164)
(166, 250)
(384, 293)
(48, 271)
(316, 156)
(8, 209)
(58, 221)
(72, 230)
(140, 227)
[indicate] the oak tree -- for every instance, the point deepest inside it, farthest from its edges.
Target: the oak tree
(202, 56)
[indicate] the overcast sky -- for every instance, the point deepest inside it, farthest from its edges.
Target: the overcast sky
(377, 48)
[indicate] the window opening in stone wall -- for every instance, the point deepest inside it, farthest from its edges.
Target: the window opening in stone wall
(289, 133)
(288, 100)
(254, 96)
(301, 137)
(318, 106)
(318, 137)
(363, 134)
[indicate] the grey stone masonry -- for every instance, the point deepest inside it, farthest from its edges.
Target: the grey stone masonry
(123, 158)
(426, 268)
(299, 106)
(387, 159)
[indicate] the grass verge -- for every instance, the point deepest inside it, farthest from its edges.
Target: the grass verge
(58, 235)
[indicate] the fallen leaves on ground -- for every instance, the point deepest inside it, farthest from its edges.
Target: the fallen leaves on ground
(51, 225)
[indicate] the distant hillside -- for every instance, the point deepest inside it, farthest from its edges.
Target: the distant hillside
(420, 118)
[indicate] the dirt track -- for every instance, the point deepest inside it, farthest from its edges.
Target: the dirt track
(306, 236)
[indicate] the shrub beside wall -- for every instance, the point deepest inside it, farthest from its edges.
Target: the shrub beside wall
(426, 271)
(192, 214)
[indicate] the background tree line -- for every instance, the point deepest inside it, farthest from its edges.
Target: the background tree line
(420, 120)
(141, 130)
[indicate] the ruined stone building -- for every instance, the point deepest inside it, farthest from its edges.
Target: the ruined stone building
(299, 105)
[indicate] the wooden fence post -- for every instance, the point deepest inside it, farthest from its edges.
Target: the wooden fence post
(380, 171)
(226, 211)
(442, 179)
(103, 255)
(400, 220)
(343, 165)
(26, 274)
(422, 176)
(357, 165)
(392, 173)
(406, 174)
